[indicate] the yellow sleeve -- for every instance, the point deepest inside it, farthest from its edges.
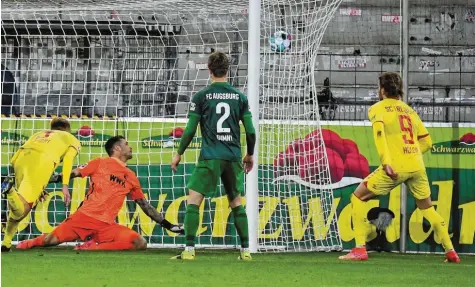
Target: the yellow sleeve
(376, 117)
(73, 150)
(68, 164)
(425, 143)
(75, 143)
(381, 143)
(423, 136)
(421, 129)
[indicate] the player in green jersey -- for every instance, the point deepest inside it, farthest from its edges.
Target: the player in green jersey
(218, 109)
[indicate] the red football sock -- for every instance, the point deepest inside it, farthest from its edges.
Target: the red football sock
(38, 241)
(113, 246)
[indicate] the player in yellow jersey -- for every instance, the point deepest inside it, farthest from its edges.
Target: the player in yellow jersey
(401, 139)
(34, 164)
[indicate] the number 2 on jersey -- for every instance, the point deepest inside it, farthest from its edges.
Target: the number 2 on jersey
(406, 126)
(219, 110)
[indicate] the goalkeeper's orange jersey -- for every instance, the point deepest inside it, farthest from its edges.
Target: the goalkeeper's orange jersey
(403, 129)
(110, 182)
(53, 143)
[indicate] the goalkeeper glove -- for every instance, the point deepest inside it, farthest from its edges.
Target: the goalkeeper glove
(56, 178)
(172, 227)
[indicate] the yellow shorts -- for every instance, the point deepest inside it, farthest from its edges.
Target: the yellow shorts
(380, 184)
(32, 173)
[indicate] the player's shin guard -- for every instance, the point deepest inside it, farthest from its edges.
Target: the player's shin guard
(192, 220)
(440, 227)
(240, 221)
(360, 222)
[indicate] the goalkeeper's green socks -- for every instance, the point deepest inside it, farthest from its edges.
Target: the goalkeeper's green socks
(240, 221)
(192, 220)
(360, 222)
(440, 228)
(15, 215)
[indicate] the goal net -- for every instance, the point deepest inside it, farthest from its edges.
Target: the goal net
(131, 67)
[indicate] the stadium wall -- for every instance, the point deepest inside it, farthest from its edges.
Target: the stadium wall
(93, 81)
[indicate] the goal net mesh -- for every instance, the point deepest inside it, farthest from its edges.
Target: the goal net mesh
(131, 67)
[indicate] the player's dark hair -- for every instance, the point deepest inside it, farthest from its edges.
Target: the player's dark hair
(218, 64)
(60, 124)
(392, 84)
(110, 144)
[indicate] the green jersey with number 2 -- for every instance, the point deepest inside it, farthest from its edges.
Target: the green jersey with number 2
(220, 107)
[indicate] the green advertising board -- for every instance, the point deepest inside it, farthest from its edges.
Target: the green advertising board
(289, 212)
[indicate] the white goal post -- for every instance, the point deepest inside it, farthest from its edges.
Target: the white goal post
(131, 67)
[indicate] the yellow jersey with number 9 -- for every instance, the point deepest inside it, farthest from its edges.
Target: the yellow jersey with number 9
(403, 129)
(52, 143)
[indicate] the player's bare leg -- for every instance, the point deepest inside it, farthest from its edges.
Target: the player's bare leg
(241, 224)
(18, 209)
(440, 228)
(192, 221)
(360, 223)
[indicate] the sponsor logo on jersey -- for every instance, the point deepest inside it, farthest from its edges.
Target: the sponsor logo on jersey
(465, 145)
(116, 179)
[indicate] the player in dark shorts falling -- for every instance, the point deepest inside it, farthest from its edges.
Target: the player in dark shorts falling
(218, 109)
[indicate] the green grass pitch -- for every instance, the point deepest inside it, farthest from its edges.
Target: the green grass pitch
(65, 267)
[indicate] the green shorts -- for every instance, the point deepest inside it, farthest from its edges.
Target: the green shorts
(205, 177)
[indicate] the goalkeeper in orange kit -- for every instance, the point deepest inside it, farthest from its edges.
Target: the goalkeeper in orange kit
(401, 139)
(33, 165)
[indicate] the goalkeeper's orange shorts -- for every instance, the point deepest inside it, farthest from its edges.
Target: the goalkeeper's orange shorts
(80, 226)
(379, 183)
(33, 170)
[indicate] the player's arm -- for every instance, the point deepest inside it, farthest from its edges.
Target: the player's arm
(194, 117)
(423, 136)
(189, 132)
(376, 117)
(68, 165)
(137, 195)
(152, 212)
(81, 171)
(425, 143)
(246, 119)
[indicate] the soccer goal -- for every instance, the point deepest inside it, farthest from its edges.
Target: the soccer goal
(131, 67)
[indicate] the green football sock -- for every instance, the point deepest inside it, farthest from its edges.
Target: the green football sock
(192, 220)
(240, 221)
